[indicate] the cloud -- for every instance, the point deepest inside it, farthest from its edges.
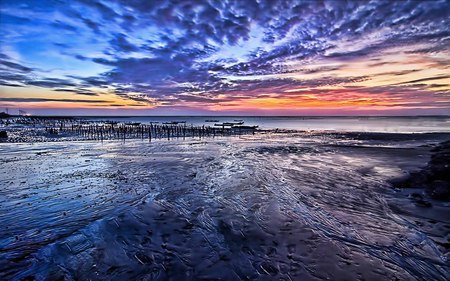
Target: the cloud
(120, 43)
(14, 66)
(51, 83)
(399, 73)
(83, 92)
(51, 100)
(426, 79)
(211, 51)
(2, 83)
(13, 73)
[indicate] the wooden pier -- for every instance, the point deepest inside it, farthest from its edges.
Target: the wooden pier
(123, 131)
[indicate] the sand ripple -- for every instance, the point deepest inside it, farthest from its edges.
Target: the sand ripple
(231, 209)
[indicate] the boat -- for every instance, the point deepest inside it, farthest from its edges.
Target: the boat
(233, 123)
(245, 127)
(228, 124)
(133, 123)
(174, 122)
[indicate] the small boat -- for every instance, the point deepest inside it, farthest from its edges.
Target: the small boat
(233, 123)
(228, 124)
(133, 123)
(174, 122)
(245, 127)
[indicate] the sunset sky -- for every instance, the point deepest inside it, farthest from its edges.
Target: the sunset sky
(130, 57)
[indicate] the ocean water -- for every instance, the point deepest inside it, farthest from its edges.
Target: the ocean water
(421, 124)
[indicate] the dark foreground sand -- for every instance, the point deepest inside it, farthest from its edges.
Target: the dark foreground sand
(265, 207)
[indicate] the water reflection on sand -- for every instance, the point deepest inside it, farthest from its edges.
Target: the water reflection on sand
(286, 207)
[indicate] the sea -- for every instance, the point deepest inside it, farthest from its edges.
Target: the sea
(387, 124)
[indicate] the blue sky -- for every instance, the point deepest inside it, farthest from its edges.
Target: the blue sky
(225, 57)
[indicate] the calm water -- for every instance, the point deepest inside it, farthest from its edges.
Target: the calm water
(342, 124)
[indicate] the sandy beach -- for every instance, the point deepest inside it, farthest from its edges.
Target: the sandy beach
(272, 206)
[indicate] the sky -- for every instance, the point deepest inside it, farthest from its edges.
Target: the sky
(252, 57)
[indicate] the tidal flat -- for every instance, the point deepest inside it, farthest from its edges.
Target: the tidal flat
(269, 206)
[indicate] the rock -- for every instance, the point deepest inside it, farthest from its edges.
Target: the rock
(3, 135)
(400, 181)
(415, 196)
(435, 177)
(440, 171)
(440, 190)
(415, 179)
(423, 203)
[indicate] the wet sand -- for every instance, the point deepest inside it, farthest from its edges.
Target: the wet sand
(304, 206)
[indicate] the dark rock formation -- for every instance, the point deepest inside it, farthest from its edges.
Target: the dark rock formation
(435, 177)
(4, 115)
